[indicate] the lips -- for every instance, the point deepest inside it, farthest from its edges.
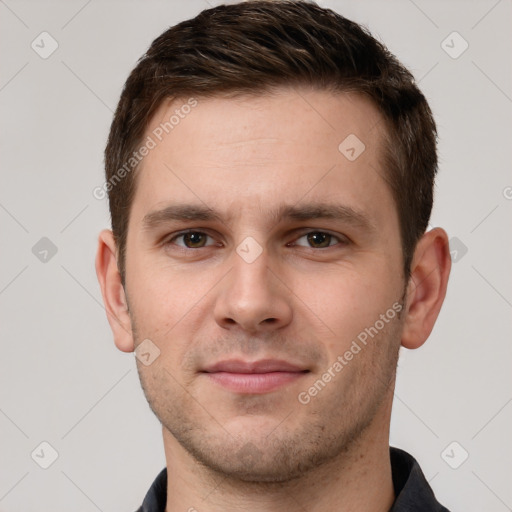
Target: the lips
(262, 366)
(254, 377)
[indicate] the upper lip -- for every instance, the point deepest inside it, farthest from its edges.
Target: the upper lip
(261, 366)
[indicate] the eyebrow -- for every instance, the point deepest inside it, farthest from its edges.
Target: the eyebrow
(306, 212)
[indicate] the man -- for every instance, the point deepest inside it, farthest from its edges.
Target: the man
(270, 169)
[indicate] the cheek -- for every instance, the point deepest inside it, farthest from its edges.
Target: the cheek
(346, 301)
(161, 298)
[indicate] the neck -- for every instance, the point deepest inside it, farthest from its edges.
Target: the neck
(359, 480)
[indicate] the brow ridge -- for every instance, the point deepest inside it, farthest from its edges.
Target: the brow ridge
(301, 213)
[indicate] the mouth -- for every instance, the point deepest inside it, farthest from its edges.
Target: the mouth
(254, 377)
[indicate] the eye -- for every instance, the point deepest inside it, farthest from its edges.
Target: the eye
(319, 240)
(190, 240)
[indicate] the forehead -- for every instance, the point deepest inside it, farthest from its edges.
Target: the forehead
(262, 150)
(285, 113)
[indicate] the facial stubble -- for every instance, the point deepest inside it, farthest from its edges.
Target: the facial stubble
(329, 428)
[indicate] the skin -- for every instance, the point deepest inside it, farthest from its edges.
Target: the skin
(303, 300)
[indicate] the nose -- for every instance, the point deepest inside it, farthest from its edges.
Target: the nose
(253, 298)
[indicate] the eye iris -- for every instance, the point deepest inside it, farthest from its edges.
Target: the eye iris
(319, 239)
(194, 240)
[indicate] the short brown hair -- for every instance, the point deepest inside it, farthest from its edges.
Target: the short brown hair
(254, 46)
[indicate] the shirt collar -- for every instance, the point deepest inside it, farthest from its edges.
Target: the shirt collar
(412, 490)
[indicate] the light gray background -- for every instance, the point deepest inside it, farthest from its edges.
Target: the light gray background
(62, 379)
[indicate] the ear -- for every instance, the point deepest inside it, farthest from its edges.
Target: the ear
(113, 292)
(426, 289)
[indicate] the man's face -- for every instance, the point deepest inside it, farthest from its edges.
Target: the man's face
(257, 302)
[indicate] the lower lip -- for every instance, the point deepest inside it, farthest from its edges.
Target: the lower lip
(254, 382)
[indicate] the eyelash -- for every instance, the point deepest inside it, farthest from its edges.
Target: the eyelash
(341, 239)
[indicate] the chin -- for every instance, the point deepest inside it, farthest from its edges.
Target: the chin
(266, 470)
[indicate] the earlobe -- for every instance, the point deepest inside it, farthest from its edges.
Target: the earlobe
(426, 289)
(113, 292)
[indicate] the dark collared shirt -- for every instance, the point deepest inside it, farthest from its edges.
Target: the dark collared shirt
(413, 494)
